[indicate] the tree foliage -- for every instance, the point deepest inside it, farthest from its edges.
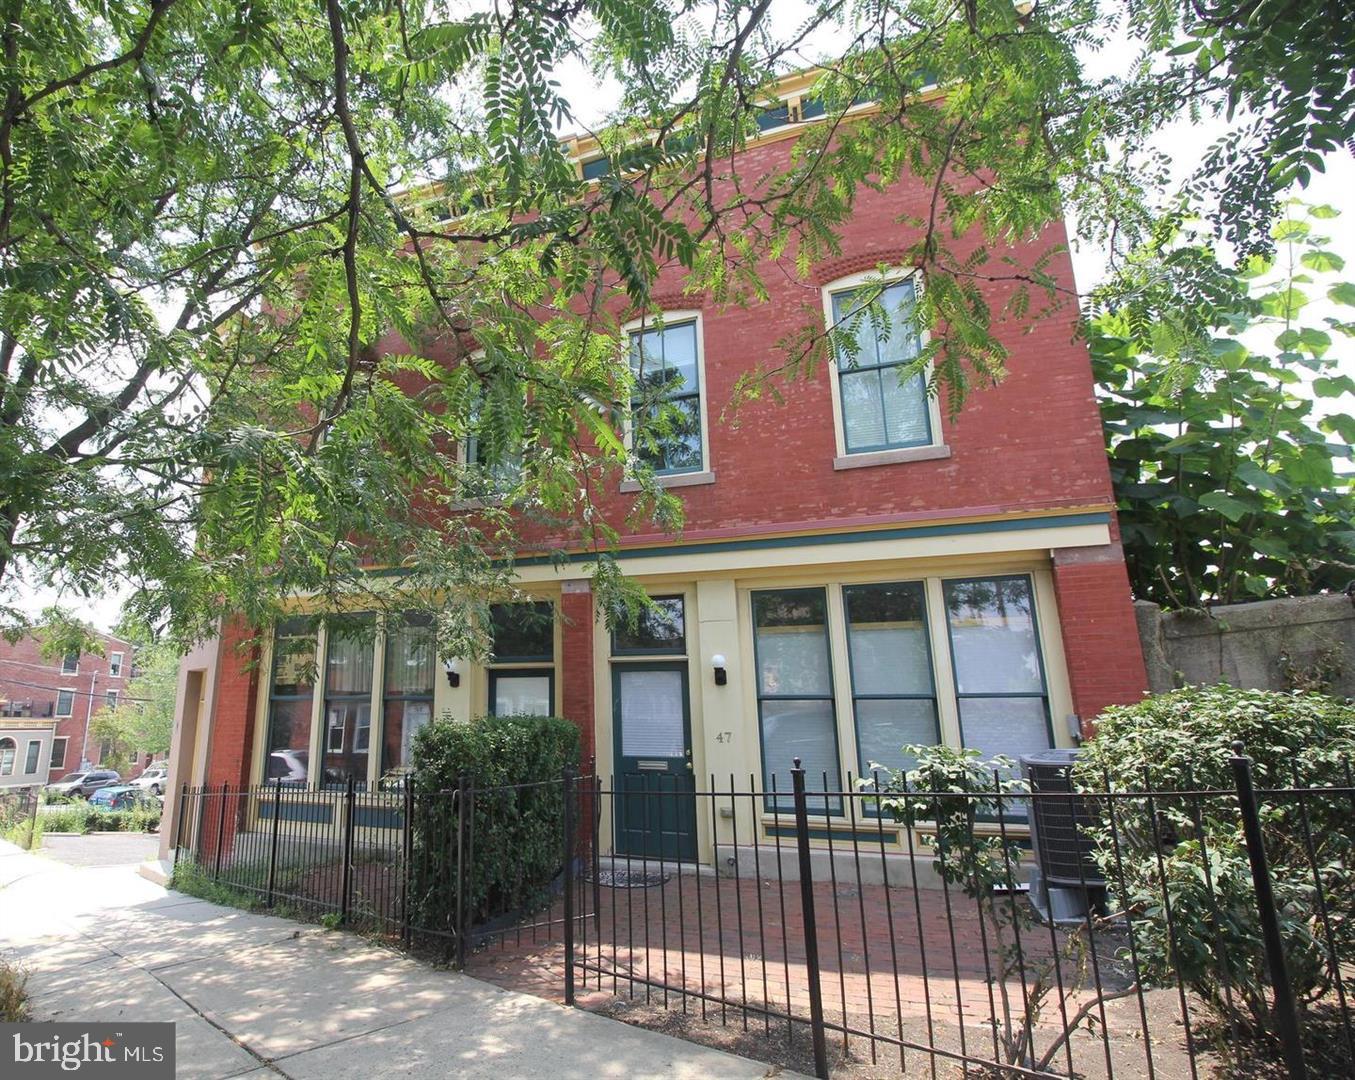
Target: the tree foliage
(143, 720)
(263, 267)
(1231, 456)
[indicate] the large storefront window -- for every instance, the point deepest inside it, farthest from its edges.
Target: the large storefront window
(291, 689)
(796, 714)
(522, 671)
(410, 670)
(893, 693)
(348, 706)
(999, 673)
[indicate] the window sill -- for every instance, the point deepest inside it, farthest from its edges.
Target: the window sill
(689, 479)
(890, 457)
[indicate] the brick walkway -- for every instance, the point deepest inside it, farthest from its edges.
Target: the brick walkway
(897, 962)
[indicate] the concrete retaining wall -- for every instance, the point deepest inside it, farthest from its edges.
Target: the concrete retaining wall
(1271, 644)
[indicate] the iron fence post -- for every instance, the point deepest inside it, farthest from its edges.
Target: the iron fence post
(1286, 1011)
(220, 829)
(463, 811)
(33, 818)
(407, 859)
(567, 789)
(797, 775)
(346, 882)
(178, 821)
(273, 843)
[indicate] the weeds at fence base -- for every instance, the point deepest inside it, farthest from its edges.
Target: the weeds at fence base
(13, 994)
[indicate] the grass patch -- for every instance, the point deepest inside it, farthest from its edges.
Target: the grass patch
(27, 833)
(13, 994)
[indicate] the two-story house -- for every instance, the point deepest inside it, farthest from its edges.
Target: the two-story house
(858, 570)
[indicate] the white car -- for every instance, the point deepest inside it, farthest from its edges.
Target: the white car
(154, 779)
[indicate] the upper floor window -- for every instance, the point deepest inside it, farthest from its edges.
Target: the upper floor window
(115, 665)
(8, 749)
(493, 470)
(65, 702)
(70, 663)
(667, 412)
(879, 409)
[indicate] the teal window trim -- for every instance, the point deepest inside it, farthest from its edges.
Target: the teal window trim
(677, 650)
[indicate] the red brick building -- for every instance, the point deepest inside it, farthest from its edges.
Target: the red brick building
(71, 690)
(857, 570)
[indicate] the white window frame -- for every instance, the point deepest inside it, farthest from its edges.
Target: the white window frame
(110, 699)
(864, 459)
(73, 670)
(37, 762)
(64, 740)
(115, 665)
(56, 708)
(10, 745)
(663, 320)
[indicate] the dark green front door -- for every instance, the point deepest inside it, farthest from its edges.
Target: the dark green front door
(655, 804)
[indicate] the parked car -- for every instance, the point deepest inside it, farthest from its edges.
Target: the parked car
(83, 784)
(122, 797)
(154, 779)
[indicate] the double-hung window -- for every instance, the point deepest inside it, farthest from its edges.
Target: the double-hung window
(410, 671)
(348, 705)
(876, 341)
(70, 664)
(999, 673)
(666, 414)
(796, 713)
(893, 693)
(492, 470)
(290, 693)
(522, 671)
(8, 749)
(65, 702)
(34, 752)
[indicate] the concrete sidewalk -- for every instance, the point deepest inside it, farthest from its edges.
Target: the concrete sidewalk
(257, 996)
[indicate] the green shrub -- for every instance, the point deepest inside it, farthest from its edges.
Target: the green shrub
(84, 818)
(517, 845)
(1191, 849)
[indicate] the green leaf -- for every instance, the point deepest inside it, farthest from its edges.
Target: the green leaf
(1232, 508)
(1342, 293)
(1322, 260)
(1327, 386)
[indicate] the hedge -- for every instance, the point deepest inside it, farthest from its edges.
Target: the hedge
(516, 846)
(1184, 740)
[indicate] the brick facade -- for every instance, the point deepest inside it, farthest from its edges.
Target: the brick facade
(1030, 444)
(30, 684)
(237, 685)
(1100, 634)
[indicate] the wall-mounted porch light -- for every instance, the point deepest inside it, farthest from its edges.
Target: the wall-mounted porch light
(453, 667)
(718, 663)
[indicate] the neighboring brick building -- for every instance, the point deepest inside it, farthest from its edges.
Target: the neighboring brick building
(857, 570)
(69, 690)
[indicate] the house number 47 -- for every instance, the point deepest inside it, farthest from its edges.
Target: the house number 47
(724, 736)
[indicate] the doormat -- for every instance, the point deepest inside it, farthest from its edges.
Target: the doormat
(631, 879)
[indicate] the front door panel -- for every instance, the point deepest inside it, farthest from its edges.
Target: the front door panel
(655, 801)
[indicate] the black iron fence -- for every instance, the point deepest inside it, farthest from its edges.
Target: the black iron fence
(19, 813)
(1158, 933)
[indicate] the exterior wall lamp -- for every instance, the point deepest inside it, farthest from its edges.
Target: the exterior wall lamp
(721, 675)
(453, 667)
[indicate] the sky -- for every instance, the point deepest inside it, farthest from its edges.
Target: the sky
(1185, 143)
